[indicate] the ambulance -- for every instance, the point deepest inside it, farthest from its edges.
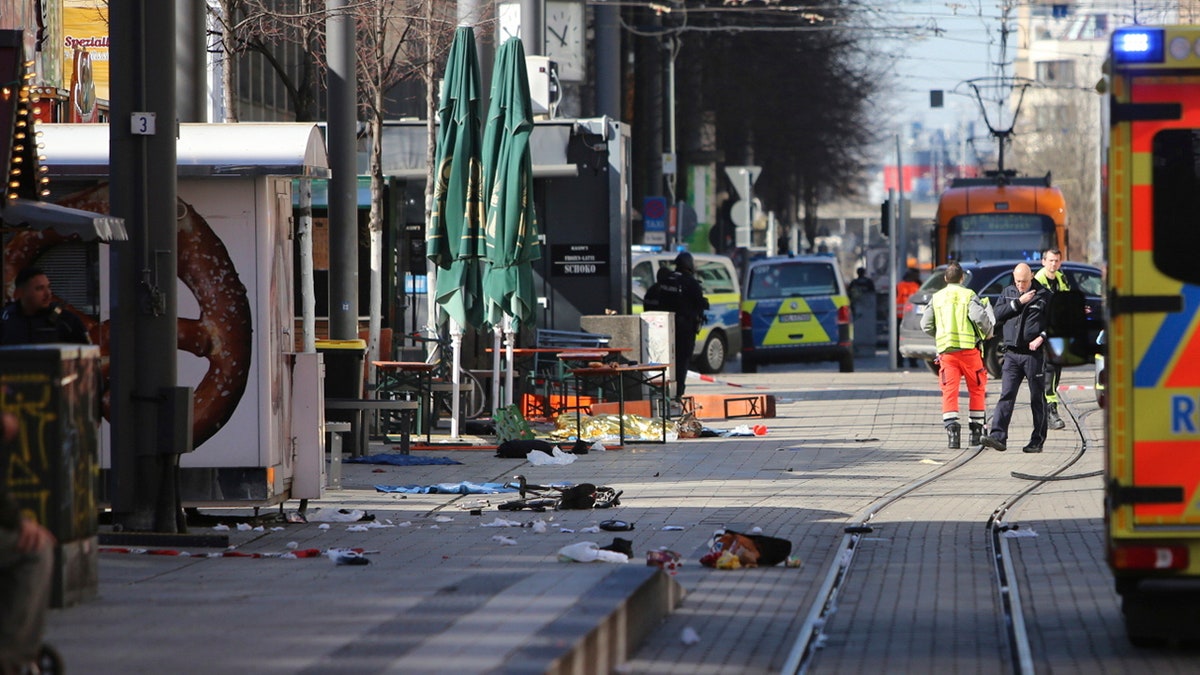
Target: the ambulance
(1152, 463)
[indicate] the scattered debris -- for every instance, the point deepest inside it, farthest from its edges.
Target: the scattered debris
(664, 559)
(347, 556)
(556, 458)
(501, 522)
(589, 551)
(734, 550)
(339, 516)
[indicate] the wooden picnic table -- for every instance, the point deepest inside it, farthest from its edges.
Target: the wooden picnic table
(653, 375)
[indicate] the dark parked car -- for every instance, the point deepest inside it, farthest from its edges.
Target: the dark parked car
(988, 279)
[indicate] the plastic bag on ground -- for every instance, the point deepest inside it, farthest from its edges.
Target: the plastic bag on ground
(557, 458)
(589, 551)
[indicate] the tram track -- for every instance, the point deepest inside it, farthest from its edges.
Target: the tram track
(811, 635)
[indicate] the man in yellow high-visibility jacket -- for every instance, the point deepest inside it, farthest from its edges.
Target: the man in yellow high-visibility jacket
(1052, 279)
(959, 321)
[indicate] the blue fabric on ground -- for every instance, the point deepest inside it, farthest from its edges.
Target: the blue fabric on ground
(398, 459)
(463, 488)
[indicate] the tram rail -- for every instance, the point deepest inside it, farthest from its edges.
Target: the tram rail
(810, 637)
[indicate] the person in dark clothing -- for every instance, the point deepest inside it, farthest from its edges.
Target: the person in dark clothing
(1052, 278)
(1021, 313)
(26, 569)
(33, 317)
(862, 284)
(679, 292)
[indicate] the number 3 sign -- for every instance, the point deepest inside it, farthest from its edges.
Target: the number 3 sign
(141, 123)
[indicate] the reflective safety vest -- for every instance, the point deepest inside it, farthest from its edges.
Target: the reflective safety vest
(1060, 282)
(954, 329)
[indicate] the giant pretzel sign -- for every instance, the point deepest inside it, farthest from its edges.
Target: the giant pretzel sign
(221, 334)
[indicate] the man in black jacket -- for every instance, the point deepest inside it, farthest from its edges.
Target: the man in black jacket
(33, 318)
(26, 566)
(679, 292)
(1021, 314)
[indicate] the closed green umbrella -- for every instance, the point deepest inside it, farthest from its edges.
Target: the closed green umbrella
(511, 234)
(454, 240)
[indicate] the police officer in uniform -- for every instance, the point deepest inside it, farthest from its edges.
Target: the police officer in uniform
(680, 292)
(33, 317)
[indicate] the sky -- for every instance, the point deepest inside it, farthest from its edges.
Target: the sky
(949, 43)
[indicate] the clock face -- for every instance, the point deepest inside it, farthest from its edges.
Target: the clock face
(508, 21)
(565, 39)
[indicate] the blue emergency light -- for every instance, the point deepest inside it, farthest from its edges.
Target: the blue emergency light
(1138, 45)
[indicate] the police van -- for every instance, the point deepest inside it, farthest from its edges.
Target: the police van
(796, 309)
(719, 339)
(1152, 365)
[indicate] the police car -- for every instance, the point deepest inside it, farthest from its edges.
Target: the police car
(720, 338)
(796, 309)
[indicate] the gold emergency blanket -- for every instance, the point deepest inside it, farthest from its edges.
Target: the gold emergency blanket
(607, 428)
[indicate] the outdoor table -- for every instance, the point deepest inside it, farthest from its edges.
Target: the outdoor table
(360, 408)
(549, 371)
(409, 378)
(652, 374)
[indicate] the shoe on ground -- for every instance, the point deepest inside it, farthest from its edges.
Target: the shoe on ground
(976, 434)
(993, 443)
(1031, 448)
(954, 436)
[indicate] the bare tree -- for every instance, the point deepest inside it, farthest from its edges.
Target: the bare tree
(791, 89)
(1060, 135)
(266, 28)
(398, 41)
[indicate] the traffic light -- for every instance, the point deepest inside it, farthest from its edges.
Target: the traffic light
(18, 140)
(885, 218)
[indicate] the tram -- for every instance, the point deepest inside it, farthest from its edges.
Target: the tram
(999, 217)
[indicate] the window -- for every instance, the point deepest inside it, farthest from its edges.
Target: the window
(714, 277)
(643, 279)
(1087, 282)
(788, 279)
(995, 288)
(1176, 186)
(1056, 72)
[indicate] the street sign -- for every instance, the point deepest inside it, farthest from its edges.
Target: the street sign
(654, 220)
(742, 178)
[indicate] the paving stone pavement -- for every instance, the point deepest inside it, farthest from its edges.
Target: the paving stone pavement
(441, 595)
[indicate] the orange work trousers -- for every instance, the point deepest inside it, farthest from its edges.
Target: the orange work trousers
(956, 366)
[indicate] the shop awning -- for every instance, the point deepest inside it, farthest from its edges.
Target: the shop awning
(244, 149)
(90, 226)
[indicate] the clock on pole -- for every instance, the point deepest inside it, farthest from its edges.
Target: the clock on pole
(565, 38)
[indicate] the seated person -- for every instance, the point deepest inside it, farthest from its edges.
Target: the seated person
(26, 568)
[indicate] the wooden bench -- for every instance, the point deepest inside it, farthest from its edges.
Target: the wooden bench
(362, 405)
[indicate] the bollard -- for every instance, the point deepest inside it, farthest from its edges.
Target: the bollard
(334, 475)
